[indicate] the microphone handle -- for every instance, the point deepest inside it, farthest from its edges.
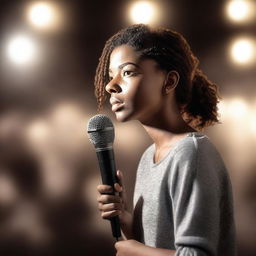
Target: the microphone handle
(107, 166)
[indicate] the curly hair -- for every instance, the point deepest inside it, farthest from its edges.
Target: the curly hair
(196, 95)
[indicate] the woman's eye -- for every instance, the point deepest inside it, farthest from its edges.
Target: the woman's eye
(127, 73)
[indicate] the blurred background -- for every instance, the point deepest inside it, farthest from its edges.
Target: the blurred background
(48, 170)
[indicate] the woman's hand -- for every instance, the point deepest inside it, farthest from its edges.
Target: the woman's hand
(135, 248)
(113, 205)
(129, 248)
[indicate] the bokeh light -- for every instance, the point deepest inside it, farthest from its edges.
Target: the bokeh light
(38, 133)
(237, 109)
(21, 49)
(252, 123)
(243, 51)
(46, 15)
(143, 12)
(48, 121)
(8, 191)
(240, 10)
(41, 14)
(222, 110)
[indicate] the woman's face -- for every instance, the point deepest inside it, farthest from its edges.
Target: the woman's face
(136, 84)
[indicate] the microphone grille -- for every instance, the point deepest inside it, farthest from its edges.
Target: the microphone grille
(100, 130)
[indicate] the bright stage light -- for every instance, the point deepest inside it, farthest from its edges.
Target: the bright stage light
(222, 110)
(143, 12)
(252, 123)
(42, 14)
(21, 49)
(237, 109)
(237, 10)
(240, 10)
(243, 51)
(38, 130)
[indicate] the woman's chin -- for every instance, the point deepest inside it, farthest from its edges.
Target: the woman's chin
(121, 116)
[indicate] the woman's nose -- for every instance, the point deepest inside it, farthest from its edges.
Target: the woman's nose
(112, 87)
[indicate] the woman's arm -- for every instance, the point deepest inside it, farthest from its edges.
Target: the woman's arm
(134, 248)
(126, 225)
(202, 203)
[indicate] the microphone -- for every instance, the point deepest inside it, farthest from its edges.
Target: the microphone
(101, 134)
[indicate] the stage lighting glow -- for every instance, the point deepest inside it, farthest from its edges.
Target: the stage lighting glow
(239, 10)
(237, 109)
(222, 110)
(21, 49)
(243, 51)
(142, 12)
(67, 120)
(38, 131)
(8, 193)
(42, 14)
(252, 123)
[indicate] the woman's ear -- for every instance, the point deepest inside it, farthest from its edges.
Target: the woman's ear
(171, 81)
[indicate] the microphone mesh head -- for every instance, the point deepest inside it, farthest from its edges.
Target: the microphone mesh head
(101, 131)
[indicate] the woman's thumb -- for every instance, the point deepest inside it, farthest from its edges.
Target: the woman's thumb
(120, 185)
(120, 177)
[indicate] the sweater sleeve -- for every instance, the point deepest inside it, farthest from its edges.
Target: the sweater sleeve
(195, 192)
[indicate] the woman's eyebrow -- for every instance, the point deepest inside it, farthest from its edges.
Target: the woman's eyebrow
(125, 64)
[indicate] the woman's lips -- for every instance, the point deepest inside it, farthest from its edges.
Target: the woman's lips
(116, 103)
(117, 106)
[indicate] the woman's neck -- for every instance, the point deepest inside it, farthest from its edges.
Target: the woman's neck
(164, 138)
(166, 128)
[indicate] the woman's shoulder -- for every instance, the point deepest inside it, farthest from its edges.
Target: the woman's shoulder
(195, 144)
(198, 148)
(191, 142)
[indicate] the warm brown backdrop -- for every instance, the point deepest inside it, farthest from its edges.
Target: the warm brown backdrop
(48, 169)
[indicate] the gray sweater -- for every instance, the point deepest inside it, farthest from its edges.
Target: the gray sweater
(184, 202)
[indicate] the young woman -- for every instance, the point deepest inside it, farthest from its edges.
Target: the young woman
(182, 197)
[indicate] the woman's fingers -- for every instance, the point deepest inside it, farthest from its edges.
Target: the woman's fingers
(120, 177)
(104, 189)
(112, 204)
(105, 199)
(108, 189)
(110, 207)
(106, 215)
(118, 188)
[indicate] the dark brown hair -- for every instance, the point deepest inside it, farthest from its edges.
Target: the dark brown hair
(195, 93)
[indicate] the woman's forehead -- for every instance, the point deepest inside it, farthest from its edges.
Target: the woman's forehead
(124, 53)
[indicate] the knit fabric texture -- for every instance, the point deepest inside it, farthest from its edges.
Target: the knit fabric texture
(184, 202)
